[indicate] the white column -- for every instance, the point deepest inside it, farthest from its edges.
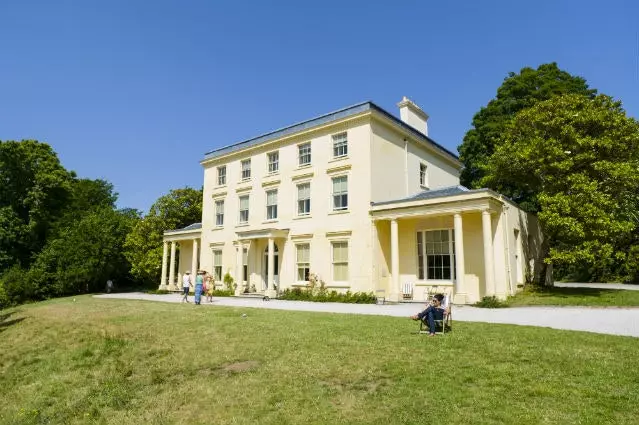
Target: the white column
(460, 270)
(271, 268)
(489, 269)
(165, 253)
(396, 291)
(239, 279)
(172, 268)
(194, 259)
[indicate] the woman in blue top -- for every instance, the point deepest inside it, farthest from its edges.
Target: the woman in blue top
(199, 281)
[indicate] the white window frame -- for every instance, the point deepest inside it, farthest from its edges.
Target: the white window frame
(219, 212)
(306, 266)
(297, 206)
(426, 273)
(217, 268)
(245, 170)
(271, 209)
(273, 161)
(248, 209)
(301, 155)
(340, 145)
(221, 175)
(340, 194)
(347, 262)
(423, 174)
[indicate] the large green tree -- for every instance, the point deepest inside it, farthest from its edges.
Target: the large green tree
(517, 92)
(84, 255)
(576, 159)
(34, 191)
(175, 210)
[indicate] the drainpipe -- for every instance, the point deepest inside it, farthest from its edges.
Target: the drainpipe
(504, 225)
(406, 165)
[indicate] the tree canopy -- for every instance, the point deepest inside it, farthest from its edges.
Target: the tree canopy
(143, 248)
(575, 160)
(517, 92)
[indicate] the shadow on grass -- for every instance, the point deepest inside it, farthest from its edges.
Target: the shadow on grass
(5, 320)
(570, 292)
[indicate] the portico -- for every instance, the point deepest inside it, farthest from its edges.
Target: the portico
(259, 256)
(187, 240)
(456, 240)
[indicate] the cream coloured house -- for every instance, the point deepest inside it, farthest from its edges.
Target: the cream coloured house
(360, 197)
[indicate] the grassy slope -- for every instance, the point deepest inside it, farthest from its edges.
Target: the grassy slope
(132, 362)
(576, 296)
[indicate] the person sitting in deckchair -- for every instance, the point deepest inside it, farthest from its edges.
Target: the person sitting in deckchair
(435, 311)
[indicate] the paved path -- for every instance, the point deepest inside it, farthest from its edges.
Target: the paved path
(598, 285)
(614, 321)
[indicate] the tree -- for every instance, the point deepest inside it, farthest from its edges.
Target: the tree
(84, 255)
(34, 191)
(517, 92)
(143, 247)
(577, 160)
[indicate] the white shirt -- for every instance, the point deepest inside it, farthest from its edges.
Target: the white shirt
(186, 280)
(109, 284)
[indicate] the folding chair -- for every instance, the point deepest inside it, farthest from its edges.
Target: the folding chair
(407, 291)
(380, 296)
(446, 323)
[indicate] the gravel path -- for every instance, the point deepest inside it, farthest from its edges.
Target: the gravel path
(613, 321)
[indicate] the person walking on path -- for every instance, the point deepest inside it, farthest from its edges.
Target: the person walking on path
(109, 286)
(199, 283)
(186, 285)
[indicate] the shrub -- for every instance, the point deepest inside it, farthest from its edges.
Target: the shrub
(157, 291)
(305, 294)
(16, 286)
(491, 302)
(223, 293)
(229, 282)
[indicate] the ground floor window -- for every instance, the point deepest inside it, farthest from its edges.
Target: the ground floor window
(436, 254)
(217, 265)
(245, 264)
(340, 261)
(303, 261)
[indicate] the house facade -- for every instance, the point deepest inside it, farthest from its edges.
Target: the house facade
(365, 200)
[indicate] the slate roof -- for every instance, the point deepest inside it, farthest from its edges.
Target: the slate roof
(323, 119)
(430, 194)
(194, 226)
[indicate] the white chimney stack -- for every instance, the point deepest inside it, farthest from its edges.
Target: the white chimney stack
(413, 115)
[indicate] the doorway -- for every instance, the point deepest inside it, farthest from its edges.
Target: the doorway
(276, 268)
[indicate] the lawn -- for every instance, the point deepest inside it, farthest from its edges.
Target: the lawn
(575, 297)
(134, 362)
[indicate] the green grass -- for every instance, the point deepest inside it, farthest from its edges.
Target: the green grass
(108, 361)
(576, 297)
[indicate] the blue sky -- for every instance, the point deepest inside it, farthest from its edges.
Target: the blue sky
(136, 92)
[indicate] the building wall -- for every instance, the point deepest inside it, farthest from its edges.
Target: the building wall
(322, 224)
(395, 164)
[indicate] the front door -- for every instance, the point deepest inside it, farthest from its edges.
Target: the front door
(276, 272)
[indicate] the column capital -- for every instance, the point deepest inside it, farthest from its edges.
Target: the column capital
(486, 211)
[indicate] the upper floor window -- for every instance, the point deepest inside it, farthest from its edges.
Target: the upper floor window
(423, 176)
(221, 175)
(246, 169)
(273, 162)
(219, 213)
(271, 205)
(340, 193)
(244, 209)
(303, 199)
(304, 154)
(340, 145)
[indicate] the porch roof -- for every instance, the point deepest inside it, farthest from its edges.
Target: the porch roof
(192, 231)
(269, 232)
(448, 200)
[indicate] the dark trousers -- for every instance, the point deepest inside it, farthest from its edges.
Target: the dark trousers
(429, 316)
